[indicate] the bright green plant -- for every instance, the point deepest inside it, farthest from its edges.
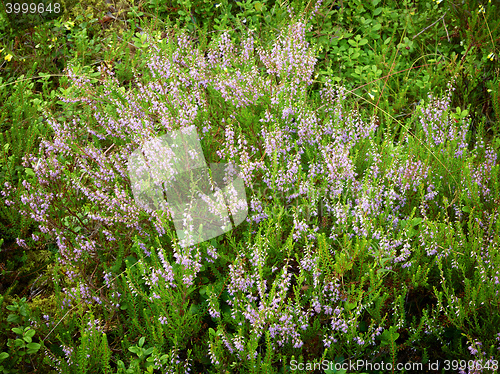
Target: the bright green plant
(21, 347)
(136, 366)
(24, 344)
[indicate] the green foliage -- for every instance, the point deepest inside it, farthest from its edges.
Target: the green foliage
(20, 342)
(24, 344)
(22, 124)
(375, 49)
(419, 285)
(138, 364)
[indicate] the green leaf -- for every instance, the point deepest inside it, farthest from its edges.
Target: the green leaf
(466, 209)
(3, 356)
(362, 42)
(30, 333)
(350, 306)
(33, 346)
(415, 221)
(258, 6)
(377, 11)
(17, 330)
(141, 341)
(134, 349)
(194, 309)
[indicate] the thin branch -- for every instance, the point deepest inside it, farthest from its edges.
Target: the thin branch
(447, 35)
(428, 27)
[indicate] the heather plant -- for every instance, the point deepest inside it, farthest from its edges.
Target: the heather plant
(22, 126)
(22, 108)
(354, 231)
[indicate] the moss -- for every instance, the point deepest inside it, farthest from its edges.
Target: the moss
(90, 9)
(36, 258)
(46, 305)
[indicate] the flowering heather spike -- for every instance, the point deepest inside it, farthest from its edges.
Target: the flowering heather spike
(290, 57)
